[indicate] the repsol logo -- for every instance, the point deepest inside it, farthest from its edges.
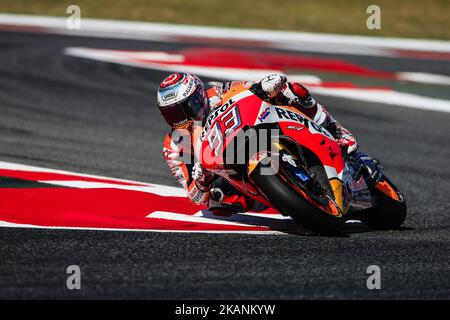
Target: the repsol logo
(289, 115)
(214, 114)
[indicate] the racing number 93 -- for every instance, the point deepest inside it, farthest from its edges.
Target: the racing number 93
(231, 120)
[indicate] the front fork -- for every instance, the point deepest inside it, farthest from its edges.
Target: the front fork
(365, 166)
(372, 172)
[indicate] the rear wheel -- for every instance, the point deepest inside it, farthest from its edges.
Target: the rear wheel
(390, 211)
(281, 191)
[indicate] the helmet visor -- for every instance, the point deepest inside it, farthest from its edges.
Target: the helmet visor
(174, 114)
(197, 104)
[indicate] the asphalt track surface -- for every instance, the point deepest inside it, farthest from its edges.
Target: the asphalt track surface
(99, 118)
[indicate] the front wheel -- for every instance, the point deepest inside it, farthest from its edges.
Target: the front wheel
(280, 191)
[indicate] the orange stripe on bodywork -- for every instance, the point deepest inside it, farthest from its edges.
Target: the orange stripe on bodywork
(336, 186)
(387, 189)
(235, 88)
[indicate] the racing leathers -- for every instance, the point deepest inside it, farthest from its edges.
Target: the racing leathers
(215, 192)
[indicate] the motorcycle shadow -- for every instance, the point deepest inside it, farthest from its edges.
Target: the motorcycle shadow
(278, 223)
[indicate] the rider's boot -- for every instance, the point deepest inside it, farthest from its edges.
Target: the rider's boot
(227, 205)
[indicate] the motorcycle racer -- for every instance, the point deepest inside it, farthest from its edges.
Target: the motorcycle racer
(183, 100)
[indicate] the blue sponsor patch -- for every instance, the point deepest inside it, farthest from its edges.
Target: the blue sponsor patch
(301, 174)
(264, 114)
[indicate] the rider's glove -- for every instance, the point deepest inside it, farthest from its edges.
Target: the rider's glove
(215, 94)
(297, 95)
(272, 85)
(202, 177)
(348, 143)
(344, 138)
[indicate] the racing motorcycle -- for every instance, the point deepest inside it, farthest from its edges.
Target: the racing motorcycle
(284, 160)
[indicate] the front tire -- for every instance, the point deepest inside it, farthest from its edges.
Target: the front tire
(391, 211)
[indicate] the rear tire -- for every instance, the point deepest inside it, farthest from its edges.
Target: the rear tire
(291, 203)
(389, 213)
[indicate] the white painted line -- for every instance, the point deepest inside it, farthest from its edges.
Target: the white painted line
(407, 100)
(422, 77)
(151, 59)
(203, 71)
(371, 95)
(30, 226)
(347, 49)
(211, 72)
(160, 190)
(279, 39)
(24, 167)
(192, 218)
(306, 79)
(159, 56)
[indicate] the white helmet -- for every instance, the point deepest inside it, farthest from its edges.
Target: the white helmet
(182, 98)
